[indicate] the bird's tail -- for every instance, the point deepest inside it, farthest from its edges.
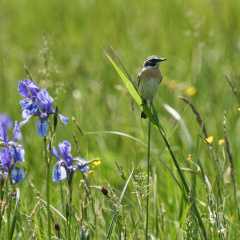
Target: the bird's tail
(143, 115)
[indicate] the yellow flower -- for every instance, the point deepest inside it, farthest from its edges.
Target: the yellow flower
(97, 163)
(190, 91)
(190, 157)
(239, 109)
(171, 84)
(209, 139)
(199, 170)
(90, 172)
(221, 142)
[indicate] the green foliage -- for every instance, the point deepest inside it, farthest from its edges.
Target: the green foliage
(63, 45)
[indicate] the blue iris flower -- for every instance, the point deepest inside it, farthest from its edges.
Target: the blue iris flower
(37, 103)
(11, 150)
(6, 121)
(64, 167)
(29, 90)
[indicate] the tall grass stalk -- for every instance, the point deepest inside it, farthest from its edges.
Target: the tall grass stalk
(148, 170)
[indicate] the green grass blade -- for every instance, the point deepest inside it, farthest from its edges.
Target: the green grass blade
(139, 141)
(117, 207)
(15, 213)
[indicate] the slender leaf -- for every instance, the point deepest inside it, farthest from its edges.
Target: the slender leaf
(15, 213)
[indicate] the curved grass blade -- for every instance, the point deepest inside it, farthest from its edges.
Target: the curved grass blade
(139, 141)
(117, 207)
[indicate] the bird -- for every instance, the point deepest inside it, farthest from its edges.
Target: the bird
(149, 79)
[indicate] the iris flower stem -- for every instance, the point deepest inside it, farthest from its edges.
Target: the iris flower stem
(8, 209)
(1, 198)
(62, 201)
(148, 156)
(70, 185)
(48, 192)
(9, 203)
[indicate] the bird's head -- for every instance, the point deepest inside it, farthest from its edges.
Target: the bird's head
(153, 61)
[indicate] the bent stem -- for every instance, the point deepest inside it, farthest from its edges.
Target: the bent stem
(148, 155)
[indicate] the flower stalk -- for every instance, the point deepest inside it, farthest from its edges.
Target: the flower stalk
(47, 160)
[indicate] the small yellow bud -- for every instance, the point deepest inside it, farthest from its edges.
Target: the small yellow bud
(221, 142)
(209, 139)
(190, 91)
(90, 172)
(96, 163)
(171, 84)
(190, 157)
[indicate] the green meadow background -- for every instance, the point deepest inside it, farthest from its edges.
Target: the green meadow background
(201, 41)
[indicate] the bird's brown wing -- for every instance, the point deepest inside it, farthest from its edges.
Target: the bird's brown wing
(138, 80)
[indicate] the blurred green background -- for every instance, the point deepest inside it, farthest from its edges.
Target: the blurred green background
(200, 39)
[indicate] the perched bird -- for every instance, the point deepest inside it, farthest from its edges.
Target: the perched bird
(149, 79)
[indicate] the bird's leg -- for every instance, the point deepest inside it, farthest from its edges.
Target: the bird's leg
(144, 101)
(154, 110)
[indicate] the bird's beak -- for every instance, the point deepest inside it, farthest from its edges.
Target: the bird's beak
(162, 59)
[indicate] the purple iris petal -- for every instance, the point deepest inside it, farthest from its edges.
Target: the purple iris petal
(55, 153)
(26, 113)
(29, 107)
(24, 121)
(65, 148)
(27, 87)
(3, 134)
(6, 157)
(22, 89)
(13, 165)
(16, 131)
(81, 162)
(26, 103)
(59, 173)
(18, 153)
(64, 168)
(42, 127)
(6, 121)
(43, 115)
(63, 119)
(32, 86)
(17, 174)
(45, 101)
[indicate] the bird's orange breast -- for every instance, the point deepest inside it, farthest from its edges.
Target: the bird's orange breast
(151, 73)
(148, 82)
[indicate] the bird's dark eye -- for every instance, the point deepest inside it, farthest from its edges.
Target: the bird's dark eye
(150, 63)
(153, 62)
